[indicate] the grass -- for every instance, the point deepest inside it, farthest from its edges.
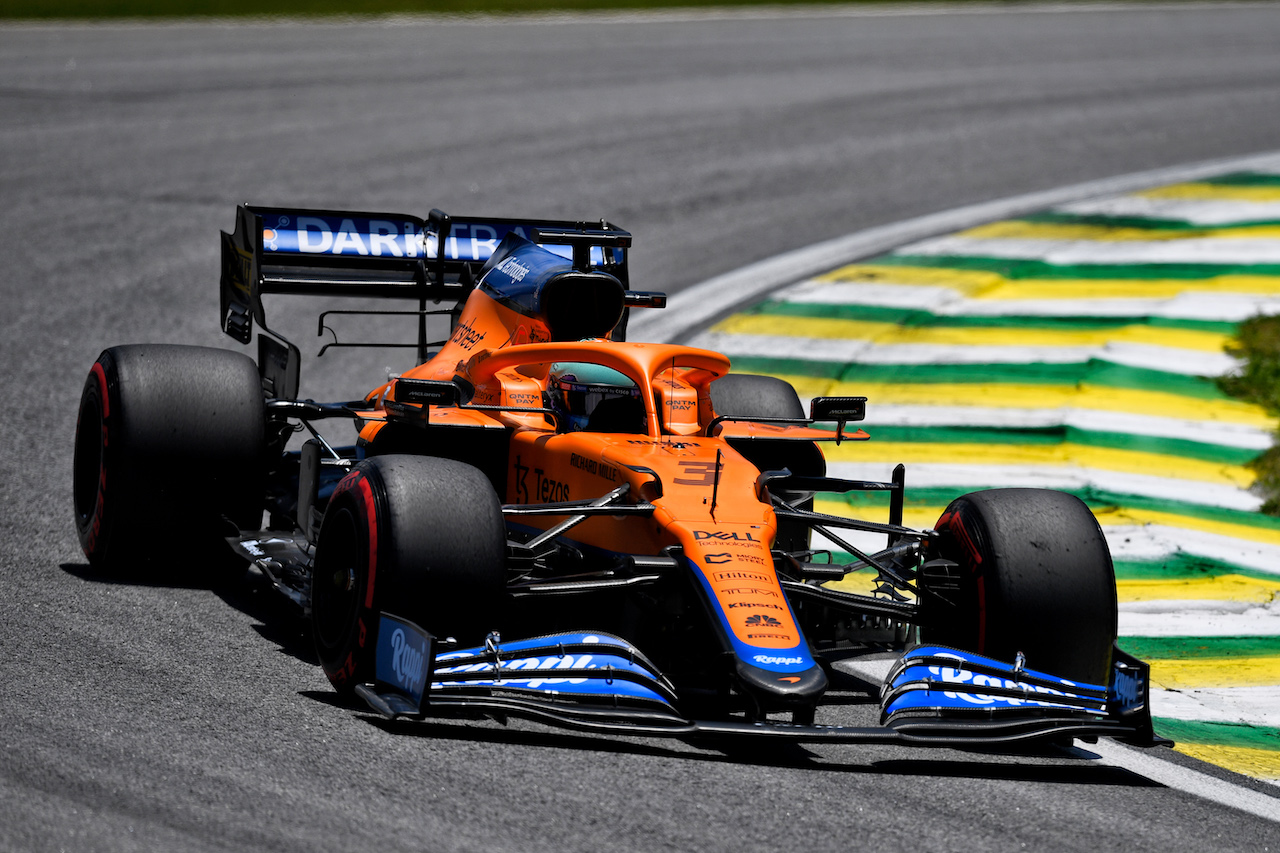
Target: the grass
(1257, 342)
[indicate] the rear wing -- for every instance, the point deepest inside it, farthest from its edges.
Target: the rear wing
(384, 255)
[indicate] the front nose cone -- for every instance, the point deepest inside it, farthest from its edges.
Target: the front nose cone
(782, 691)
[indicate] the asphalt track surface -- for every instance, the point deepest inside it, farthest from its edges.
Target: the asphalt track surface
(176, 711)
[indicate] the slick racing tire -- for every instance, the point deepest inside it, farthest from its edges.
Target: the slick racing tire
(170, 446)
(1034, 576)
(746, 395)
(420, 537)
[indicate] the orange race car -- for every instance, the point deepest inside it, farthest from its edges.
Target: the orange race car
(545, 519)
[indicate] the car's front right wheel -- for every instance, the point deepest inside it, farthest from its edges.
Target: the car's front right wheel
(1033, 575)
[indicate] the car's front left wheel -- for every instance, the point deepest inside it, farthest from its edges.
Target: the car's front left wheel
(420, 537)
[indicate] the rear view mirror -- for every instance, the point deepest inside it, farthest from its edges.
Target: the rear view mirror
(427, 392)
(838, 409)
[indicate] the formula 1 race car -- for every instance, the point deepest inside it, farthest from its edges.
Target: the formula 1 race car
(544, 519)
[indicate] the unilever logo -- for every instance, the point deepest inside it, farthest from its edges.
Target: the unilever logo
(407, 661)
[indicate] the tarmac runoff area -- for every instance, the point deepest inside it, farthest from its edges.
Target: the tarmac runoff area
(1071, 346)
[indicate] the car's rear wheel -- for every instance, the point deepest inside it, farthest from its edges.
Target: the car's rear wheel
(170, 447)
(416, 536)
(1034, 576)
(745, 395)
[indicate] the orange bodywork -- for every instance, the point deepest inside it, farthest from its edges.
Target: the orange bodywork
(706, 496)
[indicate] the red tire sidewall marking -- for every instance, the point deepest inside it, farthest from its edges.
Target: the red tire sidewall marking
(95, 525)
(953, 523)
(358, 484)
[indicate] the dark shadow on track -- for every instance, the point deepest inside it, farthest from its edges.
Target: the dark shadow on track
(230, 579)
(781, 755)
(282, 624)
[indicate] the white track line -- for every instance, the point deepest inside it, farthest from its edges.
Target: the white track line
(694, 308)
(1172, 775)
(691, 310)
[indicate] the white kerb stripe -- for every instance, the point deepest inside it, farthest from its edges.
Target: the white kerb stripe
(1252, 706)
(1206, 250)
(862, 351)
(1181, 621)
(1196, 211)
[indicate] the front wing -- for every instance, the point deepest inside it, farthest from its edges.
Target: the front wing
(933, 696)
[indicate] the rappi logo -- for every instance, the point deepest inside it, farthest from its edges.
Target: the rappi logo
(407, 661)
(947, 675)
(775, 660)
(1128, 689)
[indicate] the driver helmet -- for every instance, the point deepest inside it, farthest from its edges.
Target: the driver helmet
(577, 388)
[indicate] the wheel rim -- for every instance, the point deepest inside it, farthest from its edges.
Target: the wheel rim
(338, 581)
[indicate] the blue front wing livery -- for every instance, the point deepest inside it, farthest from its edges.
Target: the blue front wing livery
(574, 665)
(939, 681)
(933, 694)
(579, 666)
